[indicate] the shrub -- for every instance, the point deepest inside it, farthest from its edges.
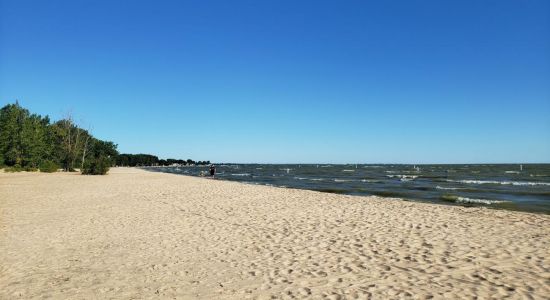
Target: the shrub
(15, 168)
(30, 169)
(97, 166)
(48, 166)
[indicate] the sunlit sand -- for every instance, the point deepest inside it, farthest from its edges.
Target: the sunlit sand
(138, 234)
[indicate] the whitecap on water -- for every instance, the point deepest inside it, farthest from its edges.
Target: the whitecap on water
(519, 183)
(477, 201)
(466, 200)
(369, 180)
(342, 180)
(403, 177)
(306, 178)
(445, 188)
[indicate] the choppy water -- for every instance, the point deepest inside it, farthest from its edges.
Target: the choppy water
(515, 187)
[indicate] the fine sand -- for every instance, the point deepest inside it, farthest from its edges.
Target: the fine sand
(138, 234)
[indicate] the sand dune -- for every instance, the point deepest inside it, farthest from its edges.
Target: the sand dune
(137, 234)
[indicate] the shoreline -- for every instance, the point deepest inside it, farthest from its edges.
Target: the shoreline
(450, 198)
(135, 233)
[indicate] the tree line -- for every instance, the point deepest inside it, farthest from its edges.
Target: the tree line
(30, 142)
(136, 160)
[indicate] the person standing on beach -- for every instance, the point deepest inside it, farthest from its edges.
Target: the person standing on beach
(212, 170)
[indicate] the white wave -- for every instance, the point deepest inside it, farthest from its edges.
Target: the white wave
(369, 180)
(342, 180)
(520, 183)
(306, 178)
(241, 174)
(403, 177)
(348, 170)
(445, 188)
(477, 201)
(511, 172)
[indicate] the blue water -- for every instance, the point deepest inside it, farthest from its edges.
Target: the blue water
(515, 187)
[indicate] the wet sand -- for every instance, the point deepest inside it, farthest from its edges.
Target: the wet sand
(138, 234)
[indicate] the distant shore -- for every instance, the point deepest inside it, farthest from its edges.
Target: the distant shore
(139, 234)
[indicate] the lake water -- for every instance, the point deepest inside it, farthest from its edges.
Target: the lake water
(517, 187)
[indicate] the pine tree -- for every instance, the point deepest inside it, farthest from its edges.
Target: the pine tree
(12, 117)
(34, 140)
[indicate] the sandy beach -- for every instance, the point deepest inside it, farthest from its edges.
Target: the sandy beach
(135, 234)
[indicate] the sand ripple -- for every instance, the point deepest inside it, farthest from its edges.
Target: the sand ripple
(135, 234)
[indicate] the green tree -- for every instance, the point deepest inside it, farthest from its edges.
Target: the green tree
(12, 117)
(97, 166)
(34, 143)
(103, 156)
(71, 141)
(28, 141)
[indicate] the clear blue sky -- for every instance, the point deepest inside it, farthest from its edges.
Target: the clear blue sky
(290, 81)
